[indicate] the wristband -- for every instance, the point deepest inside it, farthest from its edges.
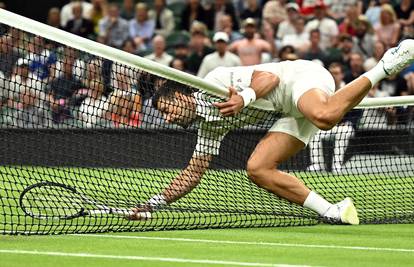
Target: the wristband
(248, 95)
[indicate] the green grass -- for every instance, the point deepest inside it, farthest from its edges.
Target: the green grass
(223, 199)
(321, 245)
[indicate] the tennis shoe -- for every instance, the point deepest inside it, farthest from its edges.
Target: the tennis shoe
(140, 214)
(398, 58)
(342, 212)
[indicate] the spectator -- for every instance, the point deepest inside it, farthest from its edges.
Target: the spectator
(9, 53)
(178, 64)
(62, 90)
(66, 13)
(193, 11)
(141, 28)
(338, 9)
(42, 61)
(356, 67)
(163, 17)
(405, 13)
(125, 109)
(364, 38)
(287, 53)
(300, 38)
(94, 108)
(286, 26)
(274, 12)
(342, 52)
(159, 55)
(315, 51)
(181, 50)
(99, 10)
(374, 10)
(53, 17)
(113, 30)
(341, 133)
(129, 46)
(379, 50)
(79, 25)
(327, 26)
(219, 58)
(252, 10)
(26, 99)
(268, 34)
(219, 9)
(351, 21)
(128, 9)
(226, 25)
(250, 48)
(388, 29)
(198, 47)
(21, 79)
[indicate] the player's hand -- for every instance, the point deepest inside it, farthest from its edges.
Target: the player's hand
(233, 105)
(140, 214)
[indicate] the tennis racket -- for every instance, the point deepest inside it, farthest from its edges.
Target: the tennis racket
(50, 200)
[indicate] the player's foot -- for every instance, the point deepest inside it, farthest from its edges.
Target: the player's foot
(314, 168)
(398, 58)
(140, 214)
(342, 212)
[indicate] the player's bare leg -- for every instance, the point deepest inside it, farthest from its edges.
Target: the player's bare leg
(273, 149)
(326, 111)
(277, 147)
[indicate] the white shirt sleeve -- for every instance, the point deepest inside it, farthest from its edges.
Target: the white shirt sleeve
(235, 76)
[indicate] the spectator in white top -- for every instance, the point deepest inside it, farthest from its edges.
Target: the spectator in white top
(163, 17)
(66, 13)
(286, 26)
(141, 28)
(159, 55)
(327, 27)
(300, 38)
(219, 58)
(113, 30)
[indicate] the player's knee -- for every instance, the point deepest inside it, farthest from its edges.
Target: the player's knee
(253, 170)
(256, 172)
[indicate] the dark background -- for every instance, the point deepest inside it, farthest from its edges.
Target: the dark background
(34, 9)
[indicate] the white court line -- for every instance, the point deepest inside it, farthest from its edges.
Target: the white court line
(142, 258)
(247, 243)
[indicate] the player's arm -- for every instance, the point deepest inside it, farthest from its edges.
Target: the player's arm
(187, 179)
(181, 185)
(261, 84)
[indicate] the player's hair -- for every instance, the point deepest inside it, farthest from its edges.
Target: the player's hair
(167, 89)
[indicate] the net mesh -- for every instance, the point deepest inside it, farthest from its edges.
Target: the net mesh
(88, 124)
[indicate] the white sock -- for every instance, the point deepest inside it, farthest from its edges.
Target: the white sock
(316, 203)
(375, 74)
(157, 201)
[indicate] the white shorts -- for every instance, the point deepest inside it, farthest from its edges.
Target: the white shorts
(294, 123)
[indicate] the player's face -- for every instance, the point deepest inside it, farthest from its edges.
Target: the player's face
(179, 109)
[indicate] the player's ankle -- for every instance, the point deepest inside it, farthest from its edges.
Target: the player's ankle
(317, 203)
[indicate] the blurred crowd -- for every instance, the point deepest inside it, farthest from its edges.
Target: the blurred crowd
(46, 84)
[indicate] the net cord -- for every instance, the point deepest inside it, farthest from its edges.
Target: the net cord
(104, 51)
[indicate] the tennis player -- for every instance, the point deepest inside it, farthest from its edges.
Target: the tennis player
(302, 90)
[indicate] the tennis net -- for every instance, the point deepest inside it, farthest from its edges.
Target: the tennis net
(82, 144)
